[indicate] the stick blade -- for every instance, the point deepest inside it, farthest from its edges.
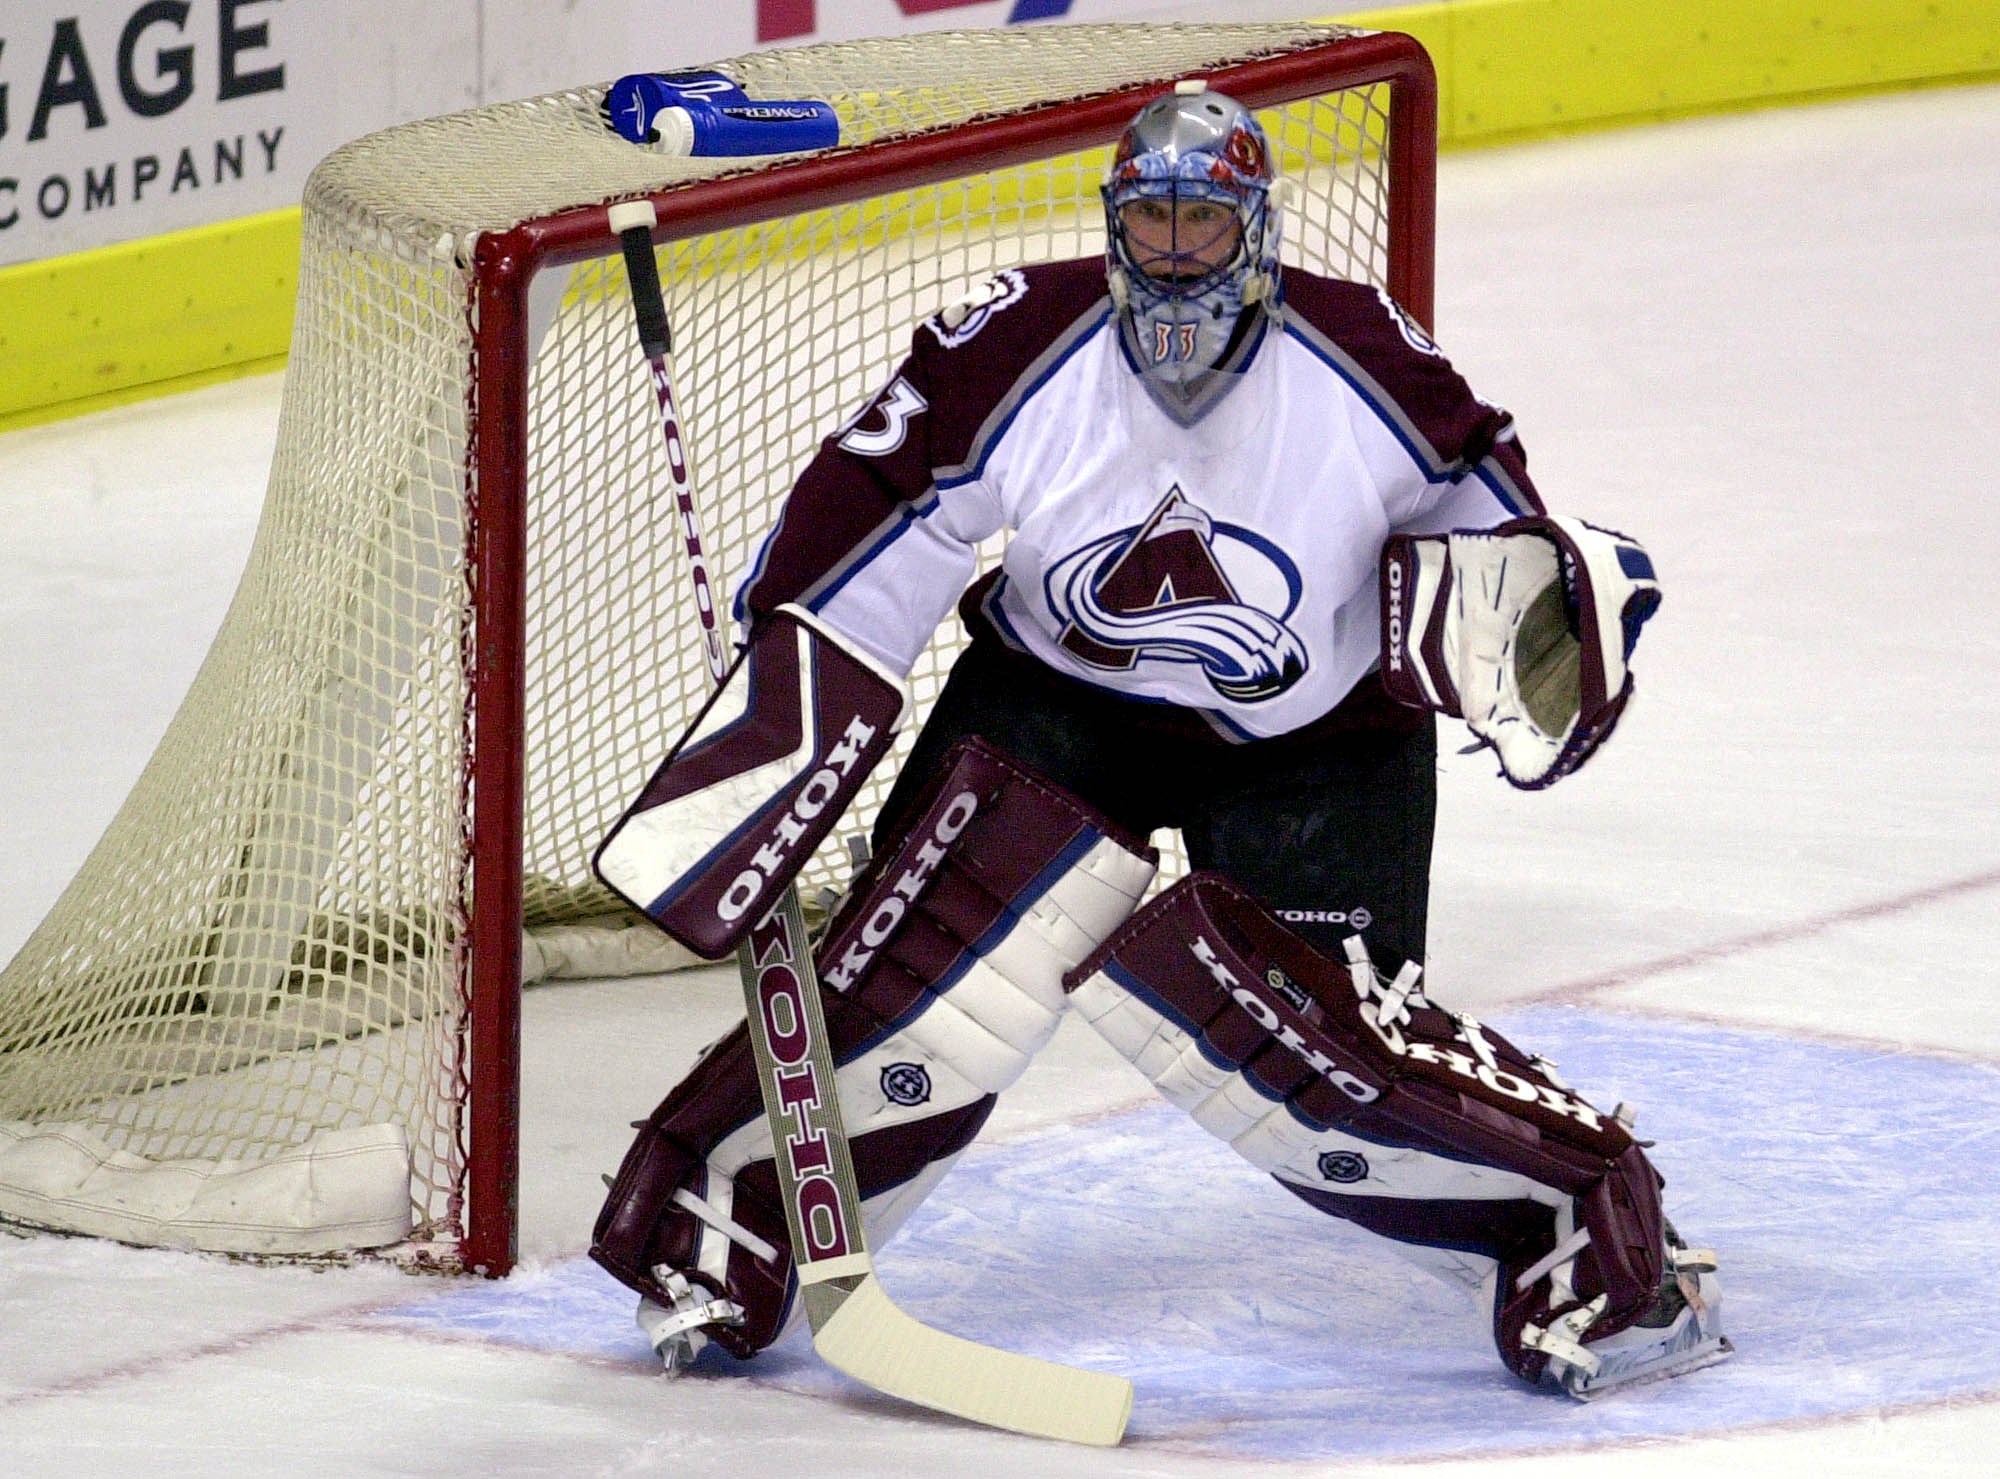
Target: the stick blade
(875, 1342)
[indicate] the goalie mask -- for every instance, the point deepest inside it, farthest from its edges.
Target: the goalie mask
(1192, 232)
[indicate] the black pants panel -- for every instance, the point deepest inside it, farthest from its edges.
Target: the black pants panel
(1334, 835)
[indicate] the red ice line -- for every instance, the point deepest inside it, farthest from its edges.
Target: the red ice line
(1784, 934)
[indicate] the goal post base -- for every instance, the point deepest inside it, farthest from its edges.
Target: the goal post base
(342, 1191)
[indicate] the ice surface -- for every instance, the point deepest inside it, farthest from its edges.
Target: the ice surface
(1769, 345)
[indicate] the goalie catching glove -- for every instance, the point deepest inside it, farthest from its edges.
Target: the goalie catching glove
(737, 809)
(1523, 631)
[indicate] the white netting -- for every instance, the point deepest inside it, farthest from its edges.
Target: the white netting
(268, 945)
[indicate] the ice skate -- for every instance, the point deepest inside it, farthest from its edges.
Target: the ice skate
(1682, 1332)
(678, 1332)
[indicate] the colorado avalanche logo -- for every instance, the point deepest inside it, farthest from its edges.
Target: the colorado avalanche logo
(1412, 331)
(967, 317)
(1163, 593)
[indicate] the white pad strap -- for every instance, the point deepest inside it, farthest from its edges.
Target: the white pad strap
(692, 1309)
(1561, 1340)
(728, 1226)
(1563, 1253)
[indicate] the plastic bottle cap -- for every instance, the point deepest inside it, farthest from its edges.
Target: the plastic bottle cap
(675, 127)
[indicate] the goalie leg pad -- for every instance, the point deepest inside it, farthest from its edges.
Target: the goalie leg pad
(755, 785)
(1370, 1102)
(943, 974)
(1525, 631)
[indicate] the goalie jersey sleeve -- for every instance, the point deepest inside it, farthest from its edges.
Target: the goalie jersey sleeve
(1222, 565)
(879, 536)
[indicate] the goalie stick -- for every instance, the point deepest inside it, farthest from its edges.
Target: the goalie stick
(856, 1327)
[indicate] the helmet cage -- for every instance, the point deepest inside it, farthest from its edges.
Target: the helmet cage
(1248, 212)
(1188, 147)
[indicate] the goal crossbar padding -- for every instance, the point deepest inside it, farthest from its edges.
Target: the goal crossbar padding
(754, 786)
(607, 946)
(950, 953)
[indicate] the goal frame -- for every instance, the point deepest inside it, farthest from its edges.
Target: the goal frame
(485, 400)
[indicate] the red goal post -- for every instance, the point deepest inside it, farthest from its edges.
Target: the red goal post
(462, 639)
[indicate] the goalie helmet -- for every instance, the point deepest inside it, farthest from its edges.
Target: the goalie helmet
(1192, 229)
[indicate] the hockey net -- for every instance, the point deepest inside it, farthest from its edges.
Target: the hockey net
(277, 1010)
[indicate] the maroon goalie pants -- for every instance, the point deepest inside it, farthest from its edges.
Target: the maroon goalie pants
(1329, 828)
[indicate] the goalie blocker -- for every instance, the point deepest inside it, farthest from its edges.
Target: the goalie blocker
(1367, 1101)
(1524, 631)
(755, 785)
(944, 973)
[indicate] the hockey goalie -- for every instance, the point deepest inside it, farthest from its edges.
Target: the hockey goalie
(1260, 535)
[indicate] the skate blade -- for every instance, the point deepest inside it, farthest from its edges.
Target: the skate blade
(1711, 1351)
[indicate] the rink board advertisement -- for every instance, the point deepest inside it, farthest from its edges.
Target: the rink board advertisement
(756, 23)
(121, 119)
(155, 149)
(125, 120)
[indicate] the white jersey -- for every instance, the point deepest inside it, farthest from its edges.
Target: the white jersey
(1224, 564)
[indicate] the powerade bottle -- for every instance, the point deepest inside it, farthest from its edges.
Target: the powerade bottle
(706, 114)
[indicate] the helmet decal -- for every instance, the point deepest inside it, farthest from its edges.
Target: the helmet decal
(1245, 151)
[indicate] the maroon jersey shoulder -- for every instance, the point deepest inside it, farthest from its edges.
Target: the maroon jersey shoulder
(1360, 317)
(1369, 333)
(982, 351)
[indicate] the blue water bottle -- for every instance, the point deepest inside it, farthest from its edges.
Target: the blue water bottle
(704, 113)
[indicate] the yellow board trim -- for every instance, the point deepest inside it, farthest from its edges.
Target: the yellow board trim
(1515, 69)
(121, 323)
(118, 324)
